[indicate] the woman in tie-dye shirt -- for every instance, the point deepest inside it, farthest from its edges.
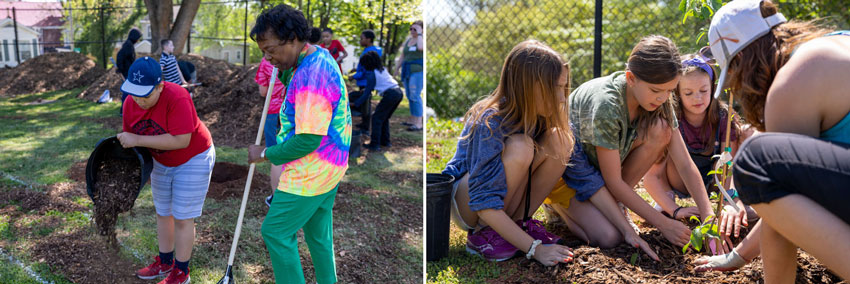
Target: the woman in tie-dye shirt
(312, 146)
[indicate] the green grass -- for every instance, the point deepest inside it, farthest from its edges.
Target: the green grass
(40, 143)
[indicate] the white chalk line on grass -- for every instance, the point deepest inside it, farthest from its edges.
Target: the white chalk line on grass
(29, 270)
(16, 179)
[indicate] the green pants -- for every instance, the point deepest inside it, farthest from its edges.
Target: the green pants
(288, 214)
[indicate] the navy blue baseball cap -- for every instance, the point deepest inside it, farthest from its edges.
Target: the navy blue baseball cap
(143, 77)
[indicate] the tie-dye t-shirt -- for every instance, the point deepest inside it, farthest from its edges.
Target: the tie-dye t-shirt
(316, 103)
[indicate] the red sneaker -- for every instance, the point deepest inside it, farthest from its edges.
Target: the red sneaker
(155, 270)
(176, 276)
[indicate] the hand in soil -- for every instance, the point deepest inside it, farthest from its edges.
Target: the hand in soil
(675, 232)
(731, 220)
(254, 152)
(635, 240)
(725, 262)
(128, 139)
(686, 212)
(550, 255)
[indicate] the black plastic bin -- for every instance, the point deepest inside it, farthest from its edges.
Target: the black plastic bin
(437, 215)
(111, 148)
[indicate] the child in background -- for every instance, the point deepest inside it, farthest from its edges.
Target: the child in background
(334, 46)
(511, 152)
(410, 65)
(626, 122)
(702, 124)
(367, 38)
(315, 36)
(380, 80)
(263, 78)
(162, 117)
(168, 62)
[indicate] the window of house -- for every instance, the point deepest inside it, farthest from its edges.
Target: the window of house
(238, 55)
(25, 51)
(6, 50)
(34, 47)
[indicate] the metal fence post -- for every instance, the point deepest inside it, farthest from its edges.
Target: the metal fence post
(17, 41)
(189, 42)
(597, 41)
(102, 37)
(245, 37)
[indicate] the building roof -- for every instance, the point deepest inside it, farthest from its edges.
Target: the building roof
(50, 17)
(8, 22)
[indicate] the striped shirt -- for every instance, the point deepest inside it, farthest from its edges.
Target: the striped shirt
(169, 68)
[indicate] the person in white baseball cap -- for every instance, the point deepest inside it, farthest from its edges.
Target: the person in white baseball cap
(791, 80)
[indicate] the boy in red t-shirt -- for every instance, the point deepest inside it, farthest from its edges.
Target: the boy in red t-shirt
(162, 117)
(334, 46)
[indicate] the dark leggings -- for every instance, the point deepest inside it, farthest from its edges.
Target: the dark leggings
(381, 118)
(773, 165)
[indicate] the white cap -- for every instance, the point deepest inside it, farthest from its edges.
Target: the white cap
(733, 27)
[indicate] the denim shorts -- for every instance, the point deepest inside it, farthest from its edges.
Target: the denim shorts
(582, 176)
(271, 128)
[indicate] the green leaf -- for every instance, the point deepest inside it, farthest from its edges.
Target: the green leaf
(634, 258)
(696, 239)
(715, 172)
(706, 14)
(716, 4)
(690, 13)
(694, 218)
(700, 37)
(683, 5)
(712, 232)
(685, 248)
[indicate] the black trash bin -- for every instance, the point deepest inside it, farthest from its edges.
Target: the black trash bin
(437, 215)
(111, 148)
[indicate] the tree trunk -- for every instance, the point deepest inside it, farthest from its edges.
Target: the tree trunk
(183, 25)
(160, 15)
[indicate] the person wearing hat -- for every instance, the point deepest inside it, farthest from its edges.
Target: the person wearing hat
(791, 80)
(161, 116)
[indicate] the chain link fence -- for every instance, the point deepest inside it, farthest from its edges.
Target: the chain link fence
(468, 39)
(219, 29)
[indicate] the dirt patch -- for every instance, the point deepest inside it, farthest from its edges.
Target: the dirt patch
(83, 258)
(115, 190)
(50, 72)
(40, 202)
(595, 265)
(228, 181)
(382, 219)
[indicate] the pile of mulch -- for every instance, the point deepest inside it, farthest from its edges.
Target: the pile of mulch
(110, 80)
(595, 265)
(50, 72)
(115, 190)
(228, 182)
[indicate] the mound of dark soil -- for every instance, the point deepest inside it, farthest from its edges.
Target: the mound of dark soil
(50, 72)
(115, 190)
(84, 259)
(108, 81)
(228, 181)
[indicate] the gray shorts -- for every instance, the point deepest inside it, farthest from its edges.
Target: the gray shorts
(180, 191)
(455, 212)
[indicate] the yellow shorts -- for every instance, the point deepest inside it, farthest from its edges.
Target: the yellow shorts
(561, 194)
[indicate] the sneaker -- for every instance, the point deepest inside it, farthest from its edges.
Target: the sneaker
(490, 245)
(535, 229)
(176, 276)
(269, 200)
(155, 270)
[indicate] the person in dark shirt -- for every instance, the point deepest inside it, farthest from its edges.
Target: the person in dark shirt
(126, 56)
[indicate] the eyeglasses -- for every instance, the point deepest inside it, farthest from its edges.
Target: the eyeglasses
(706, 55)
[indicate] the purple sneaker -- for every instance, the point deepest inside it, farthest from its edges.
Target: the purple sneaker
(490, 245)
(535, 229)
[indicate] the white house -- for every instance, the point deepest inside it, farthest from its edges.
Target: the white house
(228, 52)
(27, 47)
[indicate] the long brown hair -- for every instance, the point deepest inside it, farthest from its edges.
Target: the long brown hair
(655, 60)
(712, 113)
(530, 65)
(751, 72)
